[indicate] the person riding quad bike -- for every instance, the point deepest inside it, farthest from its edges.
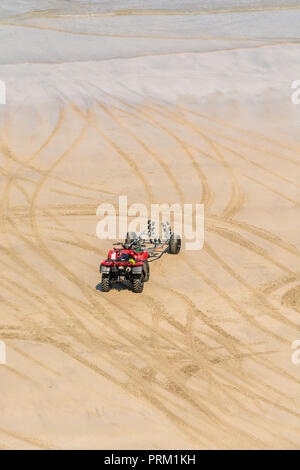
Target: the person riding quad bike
(130, 261)
(125, 264)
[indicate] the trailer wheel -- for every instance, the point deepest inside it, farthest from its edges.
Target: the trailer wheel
(175, 244)
(105, 284)
(137, 286)
(130, 237)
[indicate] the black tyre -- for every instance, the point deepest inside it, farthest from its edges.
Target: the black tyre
(146, 271)
(175, 244)
(105, 284)
(130, 237)
(137, 286)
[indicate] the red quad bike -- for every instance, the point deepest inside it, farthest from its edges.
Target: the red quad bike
(130, 262)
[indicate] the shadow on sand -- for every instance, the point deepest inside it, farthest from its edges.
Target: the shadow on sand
(116, 286)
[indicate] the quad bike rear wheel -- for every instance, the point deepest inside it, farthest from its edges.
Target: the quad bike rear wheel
(146, 271)
(105, 284)
(137, 285)
(175, 244)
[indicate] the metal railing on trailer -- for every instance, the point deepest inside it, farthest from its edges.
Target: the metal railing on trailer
(157, 246)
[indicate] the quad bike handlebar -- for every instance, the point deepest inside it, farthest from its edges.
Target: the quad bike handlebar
(131, 245)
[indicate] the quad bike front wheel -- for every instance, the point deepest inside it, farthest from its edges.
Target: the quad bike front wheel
(175, 244)
(105, 284)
